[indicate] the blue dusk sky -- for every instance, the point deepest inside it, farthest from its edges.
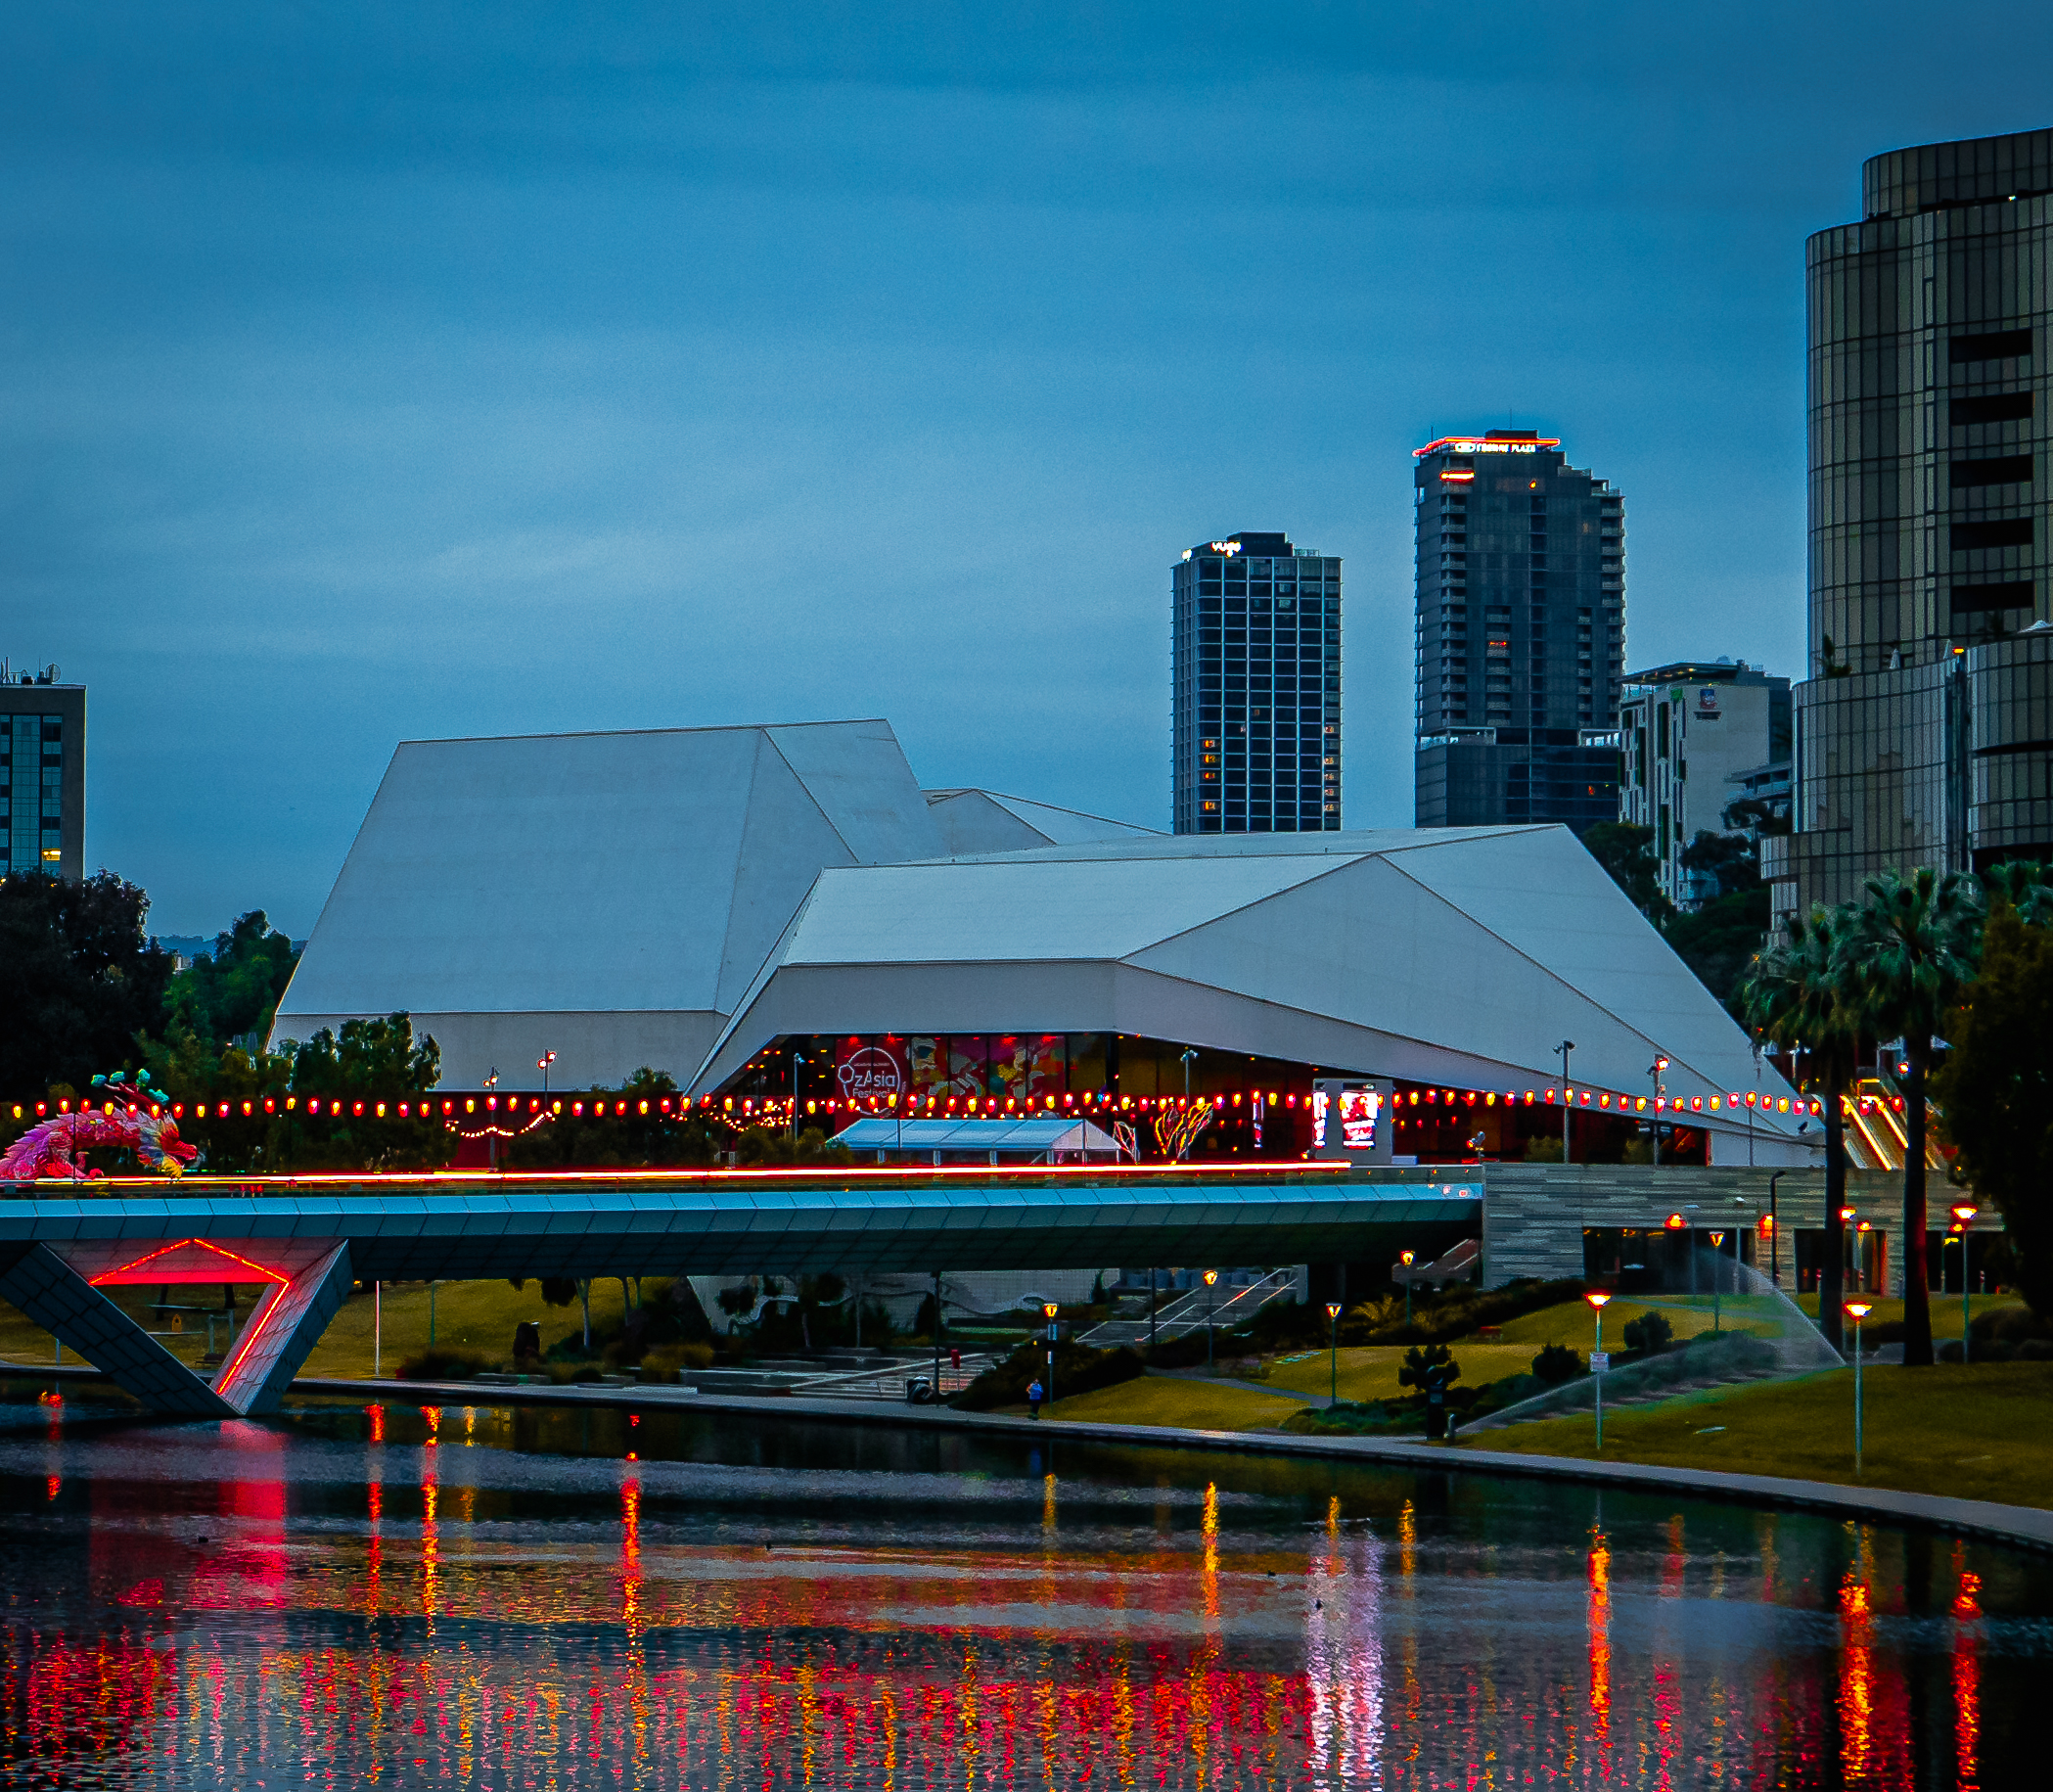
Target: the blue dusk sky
(378, 372)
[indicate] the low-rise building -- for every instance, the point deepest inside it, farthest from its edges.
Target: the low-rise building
(1696, 739)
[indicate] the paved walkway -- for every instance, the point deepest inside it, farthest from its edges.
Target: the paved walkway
(2025, 1526)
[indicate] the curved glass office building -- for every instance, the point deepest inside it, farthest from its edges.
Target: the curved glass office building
(1925, 732)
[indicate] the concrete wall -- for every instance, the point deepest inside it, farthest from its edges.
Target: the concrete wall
(1534, 1213)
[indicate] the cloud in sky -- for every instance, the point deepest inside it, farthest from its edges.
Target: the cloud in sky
(384, 372)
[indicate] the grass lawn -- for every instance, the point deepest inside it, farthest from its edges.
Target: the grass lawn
(471, 1315)
(1162, 1400)
(1945, 1309)
(1370, 1372)
(1983, 1431)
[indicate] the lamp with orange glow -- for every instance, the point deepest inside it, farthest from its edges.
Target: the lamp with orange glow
(1964, 1213)
(1674, 1222)
(1333, 1323)
(1857, 1310)
(1599, 1298)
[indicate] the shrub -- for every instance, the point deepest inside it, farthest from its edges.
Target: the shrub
(1427, 1363)
(666, 1362)
(440, 1363)
(1649, 1334)
(2007, 1325)
(1557, 1363)
(1078, 1369)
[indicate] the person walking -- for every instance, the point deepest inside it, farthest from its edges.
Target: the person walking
(1036, 1394)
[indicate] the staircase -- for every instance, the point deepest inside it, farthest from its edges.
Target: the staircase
(1188, 1313)
(1877, 1136)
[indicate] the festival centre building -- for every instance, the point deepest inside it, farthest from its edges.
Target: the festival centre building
(779, 913)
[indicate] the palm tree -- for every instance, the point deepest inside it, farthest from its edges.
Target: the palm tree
(1796, 995)
(1909, 955)
(2023, 883)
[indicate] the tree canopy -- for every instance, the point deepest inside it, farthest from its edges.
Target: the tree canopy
(233, 996)
(1996, 1091)
(78, 980)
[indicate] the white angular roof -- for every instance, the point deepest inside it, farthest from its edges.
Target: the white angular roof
(978, 821)
(597, 872)
(1462, 955)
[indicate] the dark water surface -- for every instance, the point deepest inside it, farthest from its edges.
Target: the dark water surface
(523, 1598)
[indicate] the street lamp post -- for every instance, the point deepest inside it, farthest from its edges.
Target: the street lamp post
(1850, 1255)
(542, 1064)
(1857, 1310)
(1653, 1070)
(1774, 1232)
(1333, 1320)
(1717, 1282)
(1049, 1309)
(1564, 1048)
(1598, 1361)
(1211, 1276)
(796, 1060)
(1964, 1212)
(1405, 1258)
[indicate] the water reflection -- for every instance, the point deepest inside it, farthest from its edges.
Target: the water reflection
(395, 1596)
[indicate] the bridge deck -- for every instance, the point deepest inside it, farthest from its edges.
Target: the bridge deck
(308, 1237)
(886, 1219)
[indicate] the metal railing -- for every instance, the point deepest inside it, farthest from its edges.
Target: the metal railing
(1220, 1307)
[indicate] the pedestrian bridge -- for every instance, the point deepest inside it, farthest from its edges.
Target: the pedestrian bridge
(308, 1239)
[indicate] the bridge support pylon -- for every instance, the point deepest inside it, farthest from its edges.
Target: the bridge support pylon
(304, 1281)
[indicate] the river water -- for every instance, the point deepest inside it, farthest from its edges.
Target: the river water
(392, 1596)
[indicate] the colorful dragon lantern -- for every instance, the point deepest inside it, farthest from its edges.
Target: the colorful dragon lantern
(121, 1114)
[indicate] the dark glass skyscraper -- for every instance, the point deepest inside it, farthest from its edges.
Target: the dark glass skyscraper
(1924, 735)
(1521, 635)
(1256, 661)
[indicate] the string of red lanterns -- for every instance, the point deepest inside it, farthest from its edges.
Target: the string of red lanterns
(455, 1108)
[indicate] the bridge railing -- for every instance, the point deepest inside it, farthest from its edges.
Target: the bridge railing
(1138, 1179)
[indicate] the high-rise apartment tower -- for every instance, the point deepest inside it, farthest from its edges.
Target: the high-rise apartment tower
(43, 775)
(1256, 660)
(1924, 735)
(1521, 635)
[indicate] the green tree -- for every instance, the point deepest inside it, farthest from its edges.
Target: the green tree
(1910, 954)
(78, 980)
(370, 1058)
(235, 993)
(1761, 816)
(1427, 1366)
(2024, 886)
(1996, 1091)
(1798, 996)
(1627, 852)
(1721, 941)
(1731, 859)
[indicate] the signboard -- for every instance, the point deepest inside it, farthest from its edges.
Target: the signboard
(1708, 702)
(1346, 1120)
(1359, 1110)
(869, 1070)
(1599, 1361)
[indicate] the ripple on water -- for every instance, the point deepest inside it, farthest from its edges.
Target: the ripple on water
(510, 1598)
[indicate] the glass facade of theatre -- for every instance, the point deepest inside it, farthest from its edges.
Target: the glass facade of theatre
(42, 780)
(1256, 664)
(1925, 732)
(1521, 635)
(1261, 1106)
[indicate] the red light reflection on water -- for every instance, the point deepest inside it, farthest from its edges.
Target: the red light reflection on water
(1967, 1677)
(1600, 1646)
(603, 1658)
